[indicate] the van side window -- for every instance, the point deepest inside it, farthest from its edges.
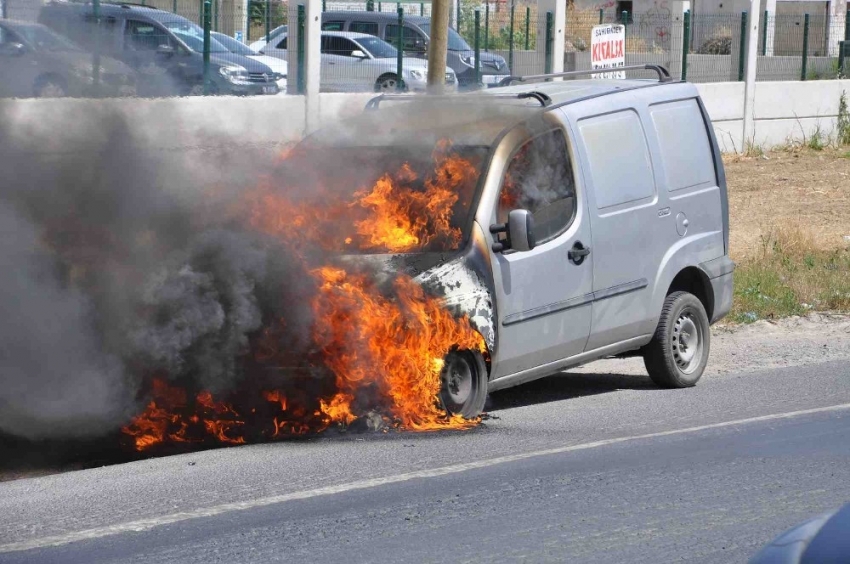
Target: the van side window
(620, 165)
(540, 179)
(143, 36)
(685, 148)
(333, 26)
(364, 27)
(411, 40)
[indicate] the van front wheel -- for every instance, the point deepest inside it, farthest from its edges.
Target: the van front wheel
(464, 383)
(678, 353)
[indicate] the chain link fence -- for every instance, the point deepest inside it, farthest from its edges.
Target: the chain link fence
(382, 46)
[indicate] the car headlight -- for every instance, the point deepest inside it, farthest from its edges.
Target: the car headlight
(235, 74)
(468, 60)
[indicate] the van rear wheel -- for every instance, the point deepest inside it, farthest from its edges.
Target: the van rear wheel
(464, 383)
(678, 353)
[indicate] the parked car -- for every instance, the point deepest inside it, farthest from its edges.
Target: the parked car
(164, 48)
(358, 61)
(415, 37)
(597, 225)
(34, 61)
(277, 66)
(273, 34)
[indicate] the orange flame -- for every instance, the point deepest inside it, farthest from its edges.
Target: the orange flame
(384, 347)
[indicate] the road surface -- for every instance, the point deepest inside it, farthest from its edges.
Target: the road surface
(591, 467)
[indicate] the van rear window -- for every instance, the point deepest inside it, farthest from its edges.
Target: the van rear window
(620, 165)
(685, 149)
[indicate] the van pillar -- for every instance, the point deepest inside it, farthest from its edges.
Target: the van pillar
(559, 11)
(312, 56)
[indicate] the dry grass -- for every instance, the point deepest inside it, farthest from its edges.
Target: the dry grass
(790, 232)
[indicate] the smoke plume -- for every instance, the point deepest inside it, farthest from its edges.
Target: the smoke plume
(118, 261)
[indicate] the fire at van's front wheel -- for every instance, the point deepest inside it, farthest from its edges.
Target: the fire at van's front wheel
(678, 353)
(464, 389)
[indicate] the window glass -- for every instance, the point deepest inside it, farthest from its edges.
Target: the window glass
(364, 27)
(619, 158)
(378, 48)
(338, 46)
(143, 36)
(333, 26)
(685, 149)
(411, 39)
(540, 179)
(281, 44)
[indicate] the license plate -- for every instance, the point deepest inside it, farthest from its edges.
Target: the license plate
(269, 90)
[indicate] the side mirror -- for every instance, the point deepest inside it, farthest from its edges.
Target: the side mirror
(357, 53)
(165, 50)
(13, 49)
(519, 232)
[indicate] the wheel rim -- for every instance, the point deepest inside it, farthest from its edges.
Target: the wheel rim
(388, 85)
(458, 379)
(687, 342)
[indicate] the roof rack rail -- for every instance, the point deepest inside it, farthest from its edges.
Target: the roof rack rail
(663, 74)
(375, 102)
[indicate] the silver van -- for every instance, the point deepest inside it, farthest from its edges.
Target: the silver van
(598, 225)
(415, 35)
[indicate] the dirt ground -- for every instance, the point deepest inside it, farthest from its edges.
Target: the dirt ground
(795, 188)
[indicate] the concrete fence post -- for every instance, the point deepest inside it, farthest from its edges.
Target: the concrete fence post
(555, 38)
(752, 47)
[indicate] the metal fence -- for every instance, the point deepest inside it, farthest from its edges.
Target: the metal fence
(489, 41)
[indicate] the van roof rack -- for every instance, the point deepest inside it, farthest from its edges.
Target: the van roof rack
(663, 74)
(540, 97)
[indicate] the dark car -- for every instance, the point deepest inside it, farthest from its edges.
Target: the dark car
(824, 539)
(34, 61)
(165, 49)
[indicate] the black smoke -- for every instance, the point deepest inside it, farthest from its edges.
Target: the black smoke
(120, 259)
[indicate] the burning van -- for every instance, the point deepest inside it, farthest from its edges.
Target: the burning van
(562, 222)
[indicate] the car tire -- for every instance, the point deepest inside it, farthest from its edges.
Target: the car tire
(678, 352)
(49, 87)
(386, 84)
(464, 383)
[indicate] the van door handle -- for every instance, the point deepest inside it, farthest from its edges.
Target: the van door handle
(578, 252)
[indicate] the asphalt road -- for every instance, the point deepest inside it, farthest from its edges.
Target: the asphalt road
(591, 467)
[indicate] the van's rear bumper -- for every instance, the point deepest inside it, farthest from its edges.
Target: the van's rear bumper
(719, 272)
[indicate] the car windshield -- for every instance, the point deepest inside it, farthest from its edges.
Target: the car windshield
(380, 200)
(234, 46)
(378, 48)
(193, 36)
(456, 42)
(42, 39)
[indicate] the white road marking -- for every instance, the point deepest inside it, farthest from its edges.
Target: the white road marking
(153, 522)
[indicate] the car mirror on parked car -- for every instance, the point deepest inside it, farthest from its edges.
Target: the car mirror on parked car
(358, 54)
(165, 50)
(519, 232)
(13, 49)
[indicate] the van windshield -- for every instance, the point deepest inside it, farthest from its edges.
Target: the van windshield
(193, 36)
(378, 200)
(456, 42)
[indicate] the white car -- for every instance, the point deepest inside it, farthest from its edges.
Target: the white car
(273, 34)
(278, 67)
(354, 62)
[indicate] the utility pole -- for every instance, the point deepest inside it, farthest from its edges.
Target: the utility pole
(438, 45)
